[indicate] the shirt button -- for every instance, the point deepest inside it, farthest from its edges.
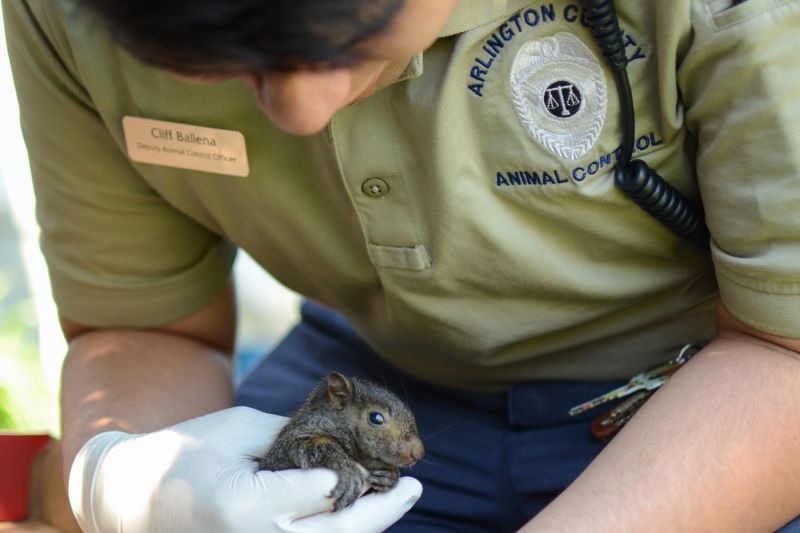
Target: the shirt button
(375, 187)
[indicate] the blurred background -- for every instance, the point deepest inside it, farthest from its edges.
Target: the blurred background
(31, 345)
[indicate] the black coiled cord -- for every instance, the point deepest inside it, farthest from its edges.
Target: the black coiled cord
(641, 183)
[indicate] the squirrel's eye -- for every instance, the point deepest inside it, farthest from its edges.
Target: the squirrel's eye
(376, 419)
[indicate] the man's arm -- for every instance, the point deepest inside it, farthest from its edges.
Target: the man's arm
(716, 449)
(193, 475)
(140, 381)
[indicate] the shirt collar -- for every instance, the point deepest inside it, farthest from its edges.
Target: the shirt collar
(467, 15)
(470, 14)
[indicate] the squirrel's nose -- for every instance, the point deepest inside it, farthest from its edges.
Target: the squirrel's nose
(415, 451)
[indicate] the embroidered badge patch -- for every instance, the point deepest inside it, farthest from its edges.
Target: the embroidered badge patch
(560, 95)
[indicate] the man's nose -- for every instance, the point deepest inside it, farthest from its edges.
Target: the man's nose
(302, 102)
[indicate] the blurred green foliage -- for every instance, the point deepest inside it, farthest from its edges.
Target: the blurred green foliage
(5, 417)
(26, 402)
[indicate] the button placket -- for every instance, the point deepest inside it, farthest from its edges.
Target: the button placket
(363, 139)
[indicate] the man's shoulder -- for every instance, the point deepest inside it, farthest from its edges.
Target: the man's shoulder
(50, 28)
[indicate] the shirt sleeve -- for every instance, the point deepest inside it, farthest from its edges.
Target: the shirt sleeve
(740, 81)
(117, 253)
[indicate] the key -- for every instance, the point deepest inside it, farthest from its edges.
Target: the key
(608, 424)
(650, 380)
(624, 411)
(644, 381)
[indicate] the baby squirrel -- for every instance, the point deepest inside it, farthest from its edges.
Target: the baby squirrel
(354, 427)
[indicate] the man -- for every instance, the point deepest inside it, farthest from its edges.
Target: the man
(441, 174)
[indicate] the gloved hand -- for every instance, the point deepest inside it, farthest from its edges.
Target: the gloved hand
(200, 476)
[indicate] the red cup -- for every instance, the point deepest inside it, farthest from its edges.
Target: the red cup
(17, 452)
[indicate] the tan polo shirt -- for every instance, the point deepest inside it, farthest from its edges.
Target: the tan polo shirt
(465, 218)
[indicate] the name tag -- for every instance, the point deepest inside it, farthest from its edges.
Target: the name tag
(172, 144)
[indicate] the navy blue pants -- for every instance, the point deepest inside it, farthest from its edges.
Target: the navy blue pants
(492, 460)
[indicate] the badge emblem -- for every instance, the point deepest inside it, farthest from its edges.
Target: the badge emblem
(559, 92)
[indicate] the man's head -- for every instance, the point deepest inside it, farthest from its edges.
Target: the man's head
(304, 59)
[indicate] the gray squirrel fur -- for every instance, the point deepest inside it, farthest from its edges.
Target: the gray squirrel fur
(356, 428)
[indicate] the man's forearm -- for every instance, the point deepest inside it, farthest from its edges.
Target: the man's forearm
(717, 449)
(137, 382)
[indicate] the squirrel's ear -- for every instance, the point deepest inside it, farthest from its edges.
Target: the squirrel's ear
(339, 389)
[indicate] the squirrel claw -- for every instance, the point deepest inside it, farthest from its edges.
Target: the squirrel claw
(343, 498)
(347, 490)
(383, 480)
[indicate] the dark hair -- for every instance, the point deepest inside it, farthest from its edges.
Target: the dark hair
(207, 36)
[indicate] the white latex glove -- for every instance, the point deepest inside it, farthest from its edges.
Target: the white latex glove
(200, 476)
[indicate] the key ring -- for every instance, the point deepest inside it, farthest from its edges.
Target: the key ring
(636, 392)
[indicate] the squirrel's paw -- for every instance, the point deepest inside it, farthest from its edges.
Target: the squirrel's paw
(383, 480)
(348, 488)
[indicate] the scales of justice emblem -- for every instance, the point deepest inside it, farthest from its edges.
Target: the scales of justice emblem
(559, 93)
(562, 98)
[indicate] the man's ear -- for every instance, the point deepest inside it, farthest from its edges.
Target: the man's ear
(339, 390)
